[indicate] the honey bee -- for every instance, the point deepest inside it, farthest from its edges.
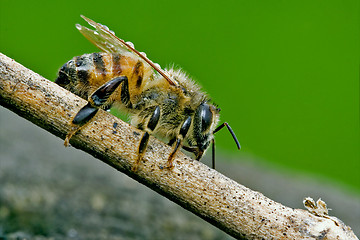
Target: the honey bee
(165, 103)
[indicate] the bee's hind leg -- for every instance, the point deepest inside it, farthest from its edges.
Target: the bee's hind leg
(97, 100)
(82, 117)
(153, 121)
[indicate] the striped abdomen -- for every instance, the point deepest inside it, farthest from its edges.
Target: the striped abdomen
(84, 74)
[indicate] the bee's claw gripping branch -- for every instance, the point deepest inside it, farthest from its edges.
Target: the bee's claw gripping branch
(239, 211)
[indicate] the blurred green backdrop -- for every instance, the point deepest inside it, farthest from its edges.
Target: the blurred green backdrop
(285, 73)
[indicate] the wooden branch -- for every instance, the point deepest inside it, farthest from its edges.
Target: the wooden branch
(237, 210)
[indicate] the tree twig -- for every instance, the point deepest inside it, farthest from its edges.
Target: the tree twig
(237, 210)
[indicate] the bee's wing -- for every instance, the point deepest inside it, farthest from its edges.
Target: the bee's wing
(106, 41)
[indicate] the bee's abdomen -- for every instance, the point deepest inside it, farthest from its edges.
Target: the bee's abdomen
(84, 73)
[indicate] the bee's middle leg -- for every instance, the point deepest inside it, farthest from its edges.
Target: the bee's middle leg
(97, 100)
(153, 121)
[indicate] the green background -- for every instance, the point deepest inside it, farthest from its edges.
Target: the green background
(285, 73)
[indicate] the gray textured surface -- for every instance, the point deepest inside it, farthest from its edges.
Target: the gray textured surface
(48, 191)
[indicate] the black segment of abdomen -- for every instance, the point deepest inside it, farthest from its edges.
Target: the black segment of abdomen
(82, 69)
(99, 63)
(116, 66)
(137, 73)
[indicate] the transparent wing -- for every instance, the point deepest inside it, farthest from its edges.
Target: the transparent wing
(105, 39)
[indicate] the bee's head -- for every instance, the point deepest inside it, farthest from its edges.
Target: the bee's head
(205, 119)
(203, 129)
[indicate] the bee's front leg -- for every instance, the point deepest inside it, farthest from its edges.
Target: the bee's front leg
(97, 100)
(153, 121)
(178, 142)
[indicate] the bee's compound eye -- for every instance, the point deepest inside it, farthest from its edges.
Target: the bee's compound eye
(205, 115)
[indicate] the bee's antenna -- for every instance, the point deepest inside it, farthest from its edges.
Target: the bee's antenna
(230, 130)
(213, 153)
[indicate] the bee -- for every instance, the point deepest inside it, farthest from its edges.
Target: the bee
(167, 104)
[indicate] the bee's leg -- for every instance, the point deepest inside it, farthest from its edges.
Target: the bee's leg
(178, 142)
(97, 99)
(153, 121)
(125, 94)
(82, 117)
(171, 142)
(102, 94)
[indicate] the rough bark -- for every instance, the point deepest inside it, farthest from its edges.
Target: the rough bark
(237, 210)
